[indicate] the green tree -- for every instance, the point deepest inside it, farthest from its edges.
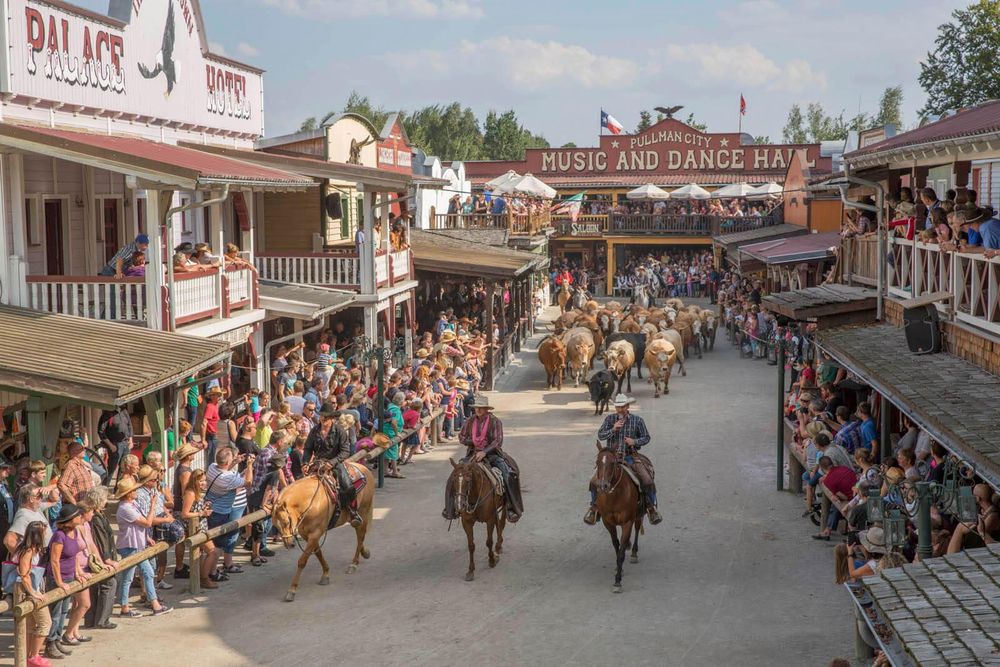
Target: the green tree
(822, 127)
(890, 108)
(535, 140)
(691, 122)
(503, 136)
(451, 132)
(962, 68)
(308, 124)
(660, 116)
(645, 122)
(794, 131)
(762, 139)
(568, 144)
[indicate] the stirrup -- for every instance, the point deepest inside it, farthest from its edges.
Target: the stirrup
(590, 518)
(356, 519)
(654, 515)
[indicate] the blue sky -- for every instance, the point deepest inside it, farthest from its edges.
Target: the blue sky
(558, 62)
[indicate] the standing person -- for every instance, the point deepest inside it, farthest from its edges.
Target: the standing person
(392, 426)
(103, 546)
(192, 399)
(483, 437)
(210, 422)
(30, 508)
(6, 503)
(133, 536)
(626, 434)
(194, 506)
(182, 473)
(77, 478)
(263, 495)
(30, 583)
(116, 267)
(114, 429)
(64, 569)
(227, 492)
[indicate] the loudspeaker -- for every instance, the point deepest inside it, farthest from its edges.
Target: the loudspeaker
(923, 336)
(333, 208)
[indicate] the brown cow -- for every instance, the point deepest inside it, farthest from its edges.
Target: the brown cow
(629, 325)
(660, 357)
(673, 337)
(552, 354)
(590, 322)
(619, 359)
(565, 321)
(580, 350)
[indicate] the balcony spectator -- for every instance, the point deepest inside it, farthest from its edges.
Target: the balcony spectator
(136, 266)
(987, 228)
(233, 258)
(929, 199)
(116, 267)
(184, 261)
(204, 257)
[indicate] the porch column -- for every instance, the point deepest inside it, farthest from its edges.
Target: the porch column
(490, 291)
(93, 257)
(918, 179)
(155, 284)
(156, 415)
(367, 257)
(18, 268)
(5, 249)
(257, 374)
(36, 427)
(961, 172)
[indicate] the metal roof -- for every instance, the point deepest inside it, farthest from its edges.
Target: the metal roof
(303, 301)
(444, 253)
(802, 248)
(159, 162)
(953, 400)
(753, 235)
(824, 300)
(94, 362)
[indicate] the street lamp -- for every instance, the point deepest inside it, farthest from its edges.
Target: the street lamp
(367, 352)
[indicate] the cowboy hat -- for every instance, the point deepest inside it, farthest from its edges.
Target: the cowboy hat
(214, 391)
(67, 512)
(873, 540)
(422, 353)
(448, 336)
(147, 473)
(125, 487)
(462, 384)
(185, 451)
(621, 400)
(482, 402)
(328, 411)
(973, 215)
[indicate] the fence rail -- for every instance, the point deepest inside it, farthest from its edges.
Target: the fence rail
(96, 298)
(521, 224)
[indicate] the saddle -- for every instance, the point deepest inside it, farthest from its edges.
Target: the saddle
(494, 475)
(631, 475)
(325, 472)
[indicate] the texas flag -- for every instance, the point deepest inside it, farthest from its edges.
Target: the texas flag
(609, 123)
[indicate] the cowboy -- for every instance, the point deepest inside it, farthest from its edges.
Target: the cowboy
(626, 433)
(483, 435)
(328, 441)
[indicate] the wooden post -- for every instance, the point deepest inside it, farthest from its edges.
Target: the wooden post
(885, 442)
(490, 291)
(21, 641)
(36, 427)
(780, 438)
(194, 556)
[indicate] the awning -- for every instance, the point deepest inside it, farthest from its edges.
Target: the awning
(98, 363)
(730, 242)
(803, 248)
(953, 400)
(170, 165)
(827, 303)
(445, 254)
(302, 302)
(375, 180)
(942, 611)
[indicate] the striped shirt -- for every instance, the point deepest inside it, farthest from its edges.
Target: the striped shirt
(634, 427)
(125, 255)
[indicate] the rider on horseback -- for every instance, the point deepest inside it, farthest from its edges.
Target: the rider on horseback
(328, 441)
(626, 434)
(483, 435)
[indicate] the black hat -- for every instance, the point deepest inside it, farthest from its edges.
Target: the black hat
(328, 411)
(68, 512)
(187, 248)
(278, 461)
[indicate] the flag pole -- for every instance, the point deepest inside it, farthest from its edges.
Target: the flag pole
(740, 125)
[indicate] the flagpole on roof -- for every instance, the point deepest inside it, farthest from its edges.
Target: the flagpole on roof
(740, 127)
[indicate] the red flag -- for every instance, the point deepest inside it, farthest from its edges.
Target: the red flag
(743, 105)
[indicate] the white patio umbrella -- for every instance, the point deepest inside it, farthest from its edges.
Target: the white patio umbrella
(732, 191)
(501, 181)
(690, 191)
(766, 191)
(647, 192)
(530, 186)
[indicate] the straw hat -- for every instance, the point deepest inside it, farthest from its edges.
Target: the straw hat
(462, 384)
(214, 391)
(125, 487)
(147, 473)
(185, 451)
(873, 540)
(448, 336)
(422, 353)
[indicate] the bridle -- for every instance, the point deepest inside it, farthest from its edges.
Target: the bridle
(293, 533)
(601, 483)
(462, 497)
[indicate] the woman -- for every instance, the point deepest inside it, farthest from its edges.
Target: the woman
(91, 556)
(64, 569)
(129, 468)
(137, 265)
(182, 473)
(392, 427)
(194, 507)
(232, 257)
(870, 550)
(100, 543)
(133, 536)
(226, 432)
(30, 583)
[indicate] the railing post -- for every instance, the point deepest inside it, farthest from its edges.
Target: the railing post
(194, 556)
(20, 640)
(780, 436)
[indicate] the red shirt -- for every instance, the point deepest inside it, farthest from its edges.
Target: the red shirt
(211, 418)
(840, 479)
(411, 418)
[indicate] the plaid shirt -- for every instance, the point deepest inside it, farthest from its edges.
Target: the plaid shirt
(260, 466)
(849, 436)
(634, 428)
(77, 478)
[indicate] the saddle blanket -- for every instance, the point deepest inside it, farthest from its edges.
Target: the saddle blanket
(495, 476)
(356, 472)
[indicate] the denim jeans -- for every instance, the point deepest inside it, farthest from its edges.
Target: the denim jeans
(125, 578)
(448, 426)
(227, 543)
(210, 442)
(812, 479)
(59, 611)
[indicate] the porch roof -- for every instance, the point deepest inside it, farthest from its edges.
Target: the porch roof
(98, 363)
(444, 253)
(804, 248)
(167, 164)
(822, 301)
(303, 302)
(734, 240)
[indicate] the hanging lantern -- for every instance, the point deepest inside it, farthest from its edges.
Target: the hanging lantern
(875, 508)
(968, 508)
(895, 530)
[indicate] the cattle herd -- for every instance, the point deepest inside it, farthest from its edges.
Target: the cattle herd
(624, 337)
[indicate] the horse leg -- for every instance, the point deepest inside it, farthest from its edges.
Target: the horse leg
(360, 551)
(301, 565)
(634, 558)
(469, 525)
(638, 368)
(501, 524)
(325, 577)
(489, 541)
(629, 372)
(620, 556)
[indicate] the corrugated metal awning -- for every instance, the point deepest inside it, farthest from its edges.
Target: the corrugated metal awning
(303, 302)
(444, 253)
(98, 363)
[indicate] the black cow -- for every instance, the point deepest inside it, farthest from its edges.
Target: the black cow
(602, 388)
(638, 341)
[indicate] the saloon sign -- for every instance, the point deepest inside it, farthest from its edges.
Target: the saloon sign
(149, 61)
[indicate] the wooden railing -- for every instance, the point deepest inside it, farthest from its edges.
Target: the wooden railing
(679, 224)
(96, 298)
(520, 224)
(339, 270)
(860, 260)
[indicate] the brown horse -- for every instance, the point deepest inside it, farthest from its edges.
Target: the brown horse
(476, 501)
(564, 297)
(304, 511)
(618, 504)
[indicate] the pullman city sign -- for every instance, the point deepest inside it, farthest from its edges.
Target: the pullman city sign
(667, 147)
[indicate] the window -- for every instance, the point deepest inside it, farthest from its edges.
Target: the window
(31, 223)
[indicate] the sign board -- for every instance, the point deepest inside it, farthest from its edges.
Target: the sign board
(582, 229)
(154, 64)
(396, 144)
(875, 135)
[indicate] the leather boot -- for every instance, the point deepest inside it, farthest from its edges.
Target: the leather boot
(591, 517)
(654, 516)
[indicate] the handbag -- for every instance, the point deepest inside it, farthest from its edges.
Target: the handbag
(96, 565)
(10, 576)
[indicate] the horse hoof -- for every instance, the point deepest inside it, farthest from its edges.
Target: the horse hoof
(351, 569)
(289, 597)
(634, 558)
(617, 588)
(469, 576)
(493, 562)
(324, 580)
(365, 553)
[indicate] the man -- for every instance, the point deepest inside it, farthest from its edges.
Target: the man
(831, 397)
(227, 492)
(840, 481)
(833, 451)
(849, 434)
(755, 295)
(296, 401)
(328, 441)
(116, 267)
(483, 437)
(6, 502)
(210, 421)
(564, 277)
(626, 434)
(869, 432)
(114, 428)
(988, 231)
(77, 477)
(929, 198)
(31, 508)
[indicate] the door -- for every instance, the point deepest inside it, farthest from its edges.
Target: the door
(55, 258)
(110, 228)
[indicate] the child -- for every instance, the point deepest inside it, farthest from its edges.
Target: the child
(411, 419)
(29, 582)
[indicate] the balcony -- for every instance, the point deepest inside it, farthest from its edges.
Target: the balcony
(651, 224)
(332, 269)
(919, 269)
(196, 296)
(519, 224)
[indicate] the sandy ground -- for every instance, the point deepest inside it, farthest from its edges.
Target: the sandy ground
(729, 578)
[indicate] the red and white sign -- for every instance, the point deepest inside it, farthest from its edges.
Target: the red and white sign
(153, 63)
(394, 151)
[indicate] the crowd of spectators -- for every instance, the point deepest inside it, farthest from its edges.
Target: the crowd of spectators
(729, 208)
(677, 273)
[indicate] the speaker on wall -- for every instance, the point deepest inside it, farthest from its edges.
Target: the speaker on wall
(923, 336)
(332, 205)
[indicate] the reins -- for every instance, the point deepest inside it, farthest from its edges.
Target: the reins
(302, 515)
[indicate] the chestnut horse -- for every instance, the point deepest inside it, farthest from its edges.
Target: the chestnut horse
(564, 297)
(618, 504)
(304, 511)
(477, 502)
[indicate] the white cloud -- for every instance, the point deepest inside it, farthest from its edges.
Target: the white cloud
(247, 50)
(217, 48)
(336, 9)
(738, 64)
(521, 64)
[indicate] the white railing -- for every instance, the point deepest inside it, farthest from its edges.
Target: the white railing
(121, 300)
(240, 285)
(318, 269)
(381, 269)
(400, 264)
(195, 296)
(977, 290)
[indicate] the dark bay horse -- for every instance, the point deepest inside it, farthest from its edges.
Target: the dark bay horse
(618, 504)
(476, 501)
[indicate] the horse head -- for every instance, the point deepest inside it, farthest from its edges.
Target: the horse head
(608, 473)
(286, 524)
(462, 480)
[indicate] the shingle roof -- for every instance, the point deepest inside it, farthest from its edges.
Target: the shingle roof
(754, 235)
(94, 362)
(444, 253)
(953, 400)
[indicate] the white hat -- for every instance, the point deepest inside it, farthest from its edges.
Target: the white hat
(621, 400)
